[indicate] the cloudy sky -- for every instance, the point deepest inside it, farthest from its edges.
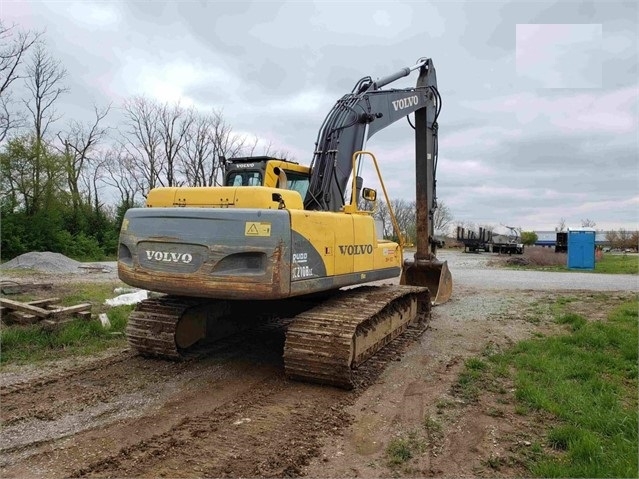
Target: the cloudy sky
(540, 99)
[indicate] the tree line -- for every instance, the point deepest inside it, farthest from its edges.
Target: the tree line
(67, 184)
(405, 212)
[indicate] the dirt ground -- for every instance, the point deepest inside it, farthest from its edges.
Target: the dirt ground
(232, 413)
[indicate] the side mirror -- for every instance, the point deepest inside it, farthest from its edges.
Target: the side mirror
(369, 194)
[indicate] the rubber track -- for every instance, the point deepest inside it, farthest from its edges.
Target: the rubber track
(151, 327)
(319, 341)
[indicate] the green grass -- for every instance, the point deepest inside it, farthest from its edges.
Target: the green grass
(468, 385)
(33, 343)
(587, 380)
(618, 264)
(398, 451)
(432, 426)
(95, 293)
(607, 264)
(75, 293)
(401, 449)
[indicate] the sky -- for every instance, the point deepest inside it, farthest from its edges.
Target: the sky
(540, 99)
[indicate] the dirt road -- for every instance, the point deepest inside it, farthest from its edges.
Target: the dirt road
(231, 412)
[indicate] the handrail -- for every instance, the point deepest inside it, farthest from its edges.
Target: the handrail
(352, 207)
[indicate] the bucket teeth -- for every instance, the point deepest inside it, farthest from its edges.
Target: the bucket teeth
(431, 274)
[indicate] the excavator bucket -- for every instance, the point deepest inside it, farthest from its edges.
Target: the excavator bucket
(432, 274)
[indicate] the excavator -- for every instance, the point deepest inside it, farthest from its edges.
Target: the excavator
(283, 240)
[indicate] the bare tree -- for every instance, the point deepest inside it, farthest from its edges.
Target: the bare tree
(442, 218)
(142, 141)
(228, 144)
(588, 223)
(624, 239)
(381, 213)
(171, 146)
(174, 123)
(93, 180)
(561, 226)
(79, 144)
(30, 167)
(405, 215)
(198, 162)
(45, 83)
(612, 237)
(210, 138)
(118, 165)
(280, 154)
(202, 149)
(14, 45)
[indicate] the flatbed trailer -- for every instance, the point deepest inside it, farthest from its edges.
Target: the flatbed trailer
(507, 248)
(483, 241)
(474, 242)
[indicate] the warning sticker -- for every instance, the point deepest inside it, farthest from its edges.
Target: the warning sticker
(253, 228)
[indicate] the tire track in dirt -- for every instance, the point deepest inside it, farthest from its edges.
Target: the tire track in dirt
(274, 432)
(9, 389)
(225, 441)
(207, 417)
(61, 393)
(47, 416)
(64, 394)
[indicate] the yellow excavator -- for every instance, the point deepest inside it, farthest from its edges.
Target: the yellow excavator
(283, 240)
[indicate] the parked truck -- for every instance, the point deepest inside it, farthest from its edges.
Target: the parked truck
(489, 242)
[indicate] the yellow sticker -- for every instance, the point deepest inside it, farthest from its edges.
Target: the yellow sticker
(125, 224)
(253, 228)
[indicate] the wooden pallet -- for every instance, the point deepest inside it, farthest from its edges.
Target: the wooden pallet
(44, 310)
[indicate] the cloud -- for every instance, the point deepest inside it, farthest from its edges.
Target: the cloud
(97, 15)
(560, 55)
(573, 113)
(511, 150)
(170, 81)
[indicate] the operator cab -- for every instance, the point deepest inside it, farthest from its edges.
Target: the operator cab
(264, 171)
(245, 171)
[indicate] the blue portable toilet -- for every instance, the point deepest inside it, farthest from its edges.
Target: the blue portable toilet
(581, 249)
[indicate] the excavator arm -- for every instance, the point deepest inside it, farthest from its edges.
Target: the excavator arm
(352, 121)
(358, 116)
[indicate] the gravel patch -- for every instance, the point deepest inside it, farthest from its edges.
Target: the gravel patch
(503, 279)
(46, 262)
(458, 259)
(472, 270)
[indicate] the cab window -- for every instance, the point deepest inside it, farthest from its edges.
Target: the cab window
(244, 178)
(296, 182)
